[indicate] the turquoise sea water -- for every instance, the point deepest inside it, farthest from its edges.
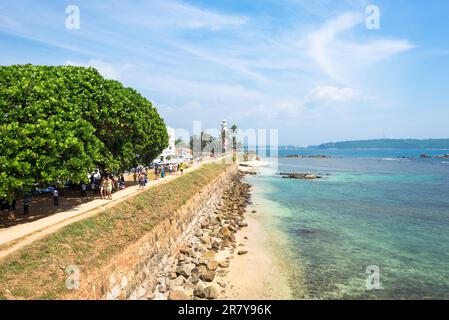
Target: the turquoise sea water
(368, 210)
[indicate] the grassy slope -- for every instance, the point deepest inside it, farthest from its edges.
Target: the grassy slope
(38, 271)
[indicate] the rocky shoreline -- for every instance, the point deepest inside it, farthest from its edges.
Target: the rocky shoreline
(199, 270)
(300, 176)
(320, 156)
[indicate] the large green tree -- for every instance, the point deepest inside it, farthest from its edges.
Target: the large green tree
(59, 123)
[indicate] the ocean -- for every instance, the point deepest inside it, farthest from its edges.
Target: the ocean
(372, 211)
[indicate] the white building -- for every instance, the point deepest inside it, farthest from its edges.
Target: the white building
(171, 149)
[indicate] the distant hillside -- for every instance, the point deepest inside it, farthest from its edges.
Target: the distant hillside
(388, 144)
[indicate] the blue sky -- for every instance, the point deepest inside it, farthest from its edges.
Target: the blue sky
(310, 69)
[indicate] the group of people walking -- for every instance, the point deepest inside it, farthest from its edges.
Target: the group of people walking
(160, 171)
(168, 169)
(104, 186)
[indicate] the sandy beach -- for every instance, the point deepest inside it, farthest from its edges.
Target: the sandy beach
(258, 274)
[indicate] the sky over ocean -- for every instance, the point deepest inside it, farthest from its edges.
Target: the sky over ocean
(311, 69)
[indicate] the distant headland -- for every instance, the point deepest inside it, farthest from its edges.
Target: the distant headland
(387, 144)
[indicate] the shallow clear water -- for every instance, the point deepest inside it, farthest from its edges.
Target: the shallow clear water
(368, 211)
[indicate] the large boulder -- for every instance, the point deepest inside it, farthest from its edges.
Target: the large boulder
(226, 244)
(202, 269)
(216, 245)
(198, 291)
(185, 269)
(179, 281)
(225, 232)
(177, 295)
(206, 240)
(211, 292)
(208, 276)
(195, 275)
(209, 255)
(212, 265)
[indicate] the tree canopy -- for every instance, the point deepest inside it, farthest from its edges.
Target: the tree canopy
(60, 122)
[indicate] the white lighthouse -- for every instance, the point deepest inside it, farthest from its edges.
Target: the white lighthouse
(224, 136)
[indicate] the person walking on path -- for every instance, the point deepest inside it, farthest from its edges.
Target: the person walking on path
(135, 176)
(156, 172)
(12, 206)
(141, 181)
(26, 203)
(163, 172)
(109, 188)
(102, 184)
(182, 167)
(122, 182)
(56, 197)
(83, 190)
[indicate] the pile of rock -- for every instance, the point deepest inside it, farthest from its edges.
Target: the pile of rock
(302, 176)
(319, 156)
(198, 271)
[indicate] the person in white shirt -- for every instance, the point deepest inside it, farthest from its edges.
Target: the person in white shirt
(56, 197)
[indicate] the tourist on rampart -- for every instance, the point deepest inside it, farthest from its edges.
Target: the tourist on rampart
(56, 197)
(109, 188)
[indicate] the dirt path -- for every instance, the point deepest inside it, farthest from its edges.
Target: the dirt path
(18, 236)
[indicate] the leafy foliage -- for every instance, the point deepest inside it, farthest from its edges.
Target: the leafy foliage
(59, 123)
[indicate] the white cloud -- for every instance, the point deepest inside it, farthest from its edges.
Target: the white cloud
(334, 93)
(341, 59)
(107, 70)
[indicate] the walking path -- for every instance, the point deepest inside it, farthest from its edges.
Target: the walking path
(18, 236)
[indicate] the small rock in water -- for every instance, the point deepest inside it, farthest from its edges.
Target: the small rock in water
(307, 233)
